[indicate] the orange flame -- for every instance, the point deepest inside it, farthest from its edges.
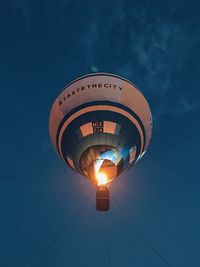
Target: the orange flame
(102, 178)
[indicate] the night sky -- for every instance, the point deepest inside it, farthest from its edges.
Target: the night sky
(48, 216)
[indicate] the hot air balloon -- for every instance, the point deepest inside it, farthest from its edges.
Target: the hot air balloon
(100, 125)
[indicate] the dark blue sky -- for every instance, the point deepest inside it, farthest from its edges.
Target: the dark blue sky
(46, 44)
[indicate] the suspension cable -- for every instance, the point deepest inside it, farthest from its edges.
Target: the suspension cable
(148, 244)
(62, 230)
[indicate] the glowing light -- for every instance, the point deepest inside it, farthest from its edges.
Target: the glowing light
(102, 178)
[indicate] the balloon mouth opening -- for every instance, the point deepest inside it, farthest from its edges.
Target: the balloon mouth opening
(101, 164)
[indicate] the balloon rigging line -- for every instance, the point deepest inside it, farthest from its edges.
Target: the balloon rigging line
(107, 248)
(22, 178)
(9, 178)
(153, 249)
(144, 240)
(60, 233)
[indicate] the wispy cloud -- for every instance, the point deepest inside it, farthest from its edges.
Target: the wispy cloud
(152, 55)
(149, 48)
(94, 68)
(184, 106)
(157, 49)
